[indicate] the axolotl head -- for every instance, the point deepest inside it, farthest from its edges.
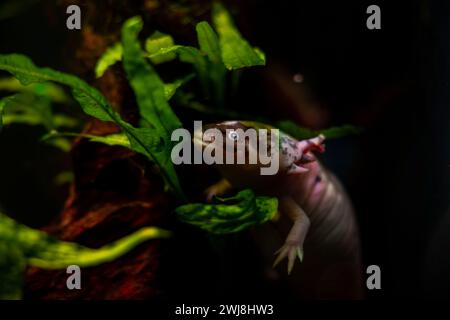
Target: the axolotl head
(244, 150)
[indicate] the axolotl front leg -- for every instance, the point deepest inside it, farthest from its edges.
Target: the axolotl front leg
(293, 245)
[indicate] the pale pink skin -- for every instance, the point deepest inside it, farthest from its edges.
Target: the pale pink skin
(309, 195)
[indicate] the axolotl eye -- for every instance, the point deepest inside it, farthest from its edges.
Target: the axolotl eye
(233, 135)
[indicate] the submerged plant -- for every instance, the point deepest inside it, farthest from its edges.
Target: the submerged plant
(21, 246)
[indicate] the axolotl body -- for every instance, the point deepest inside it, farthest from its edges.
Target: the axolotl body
(309, 195)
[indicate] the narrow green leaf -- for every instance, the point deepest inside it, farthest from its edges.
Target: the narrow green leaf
(209, 44)
(117, 139)
(151, 98)
(208, 41)
(229, 215)
(21, 246)
(23, 109)
(111, 56)
(236, 51)
(49, 90)
(146, 84)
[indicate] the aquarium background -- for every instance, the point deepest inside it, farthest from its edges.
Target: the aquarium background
(393, 82)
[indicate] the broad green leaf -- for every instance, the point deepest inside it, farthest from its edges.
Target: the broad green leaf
(94, 107)
(92, 102)
(155, 46)
(229, 215)
(111, 56)
(236, 51)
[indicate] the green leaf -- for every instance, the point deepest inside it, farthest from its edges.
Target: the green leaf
(209, 44)
(21, 246)
(49, 253)
(236, 51)
(32, 110)
(151, 98)
(160, 48)
(156, 46)
(48, 90)
(117, 139)
(208, 41)
(12, 268)
(92, 102)
(27, 109)
(114, 54)
(229, 215)
(146, 84)
(111, 56)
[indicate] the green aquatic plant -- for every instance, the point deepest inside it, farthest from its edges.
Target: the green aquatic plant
(229, 215)
(21, 246)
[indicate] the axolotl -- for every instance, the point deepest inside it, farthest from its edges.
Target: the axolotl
(309, 195)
